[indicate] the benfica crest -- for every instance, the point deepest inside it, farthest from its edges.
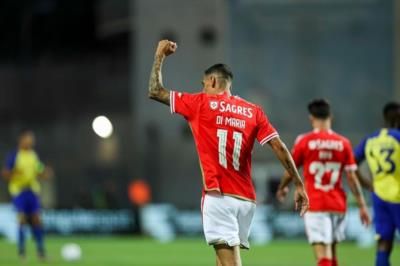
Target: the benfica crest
(213, 105)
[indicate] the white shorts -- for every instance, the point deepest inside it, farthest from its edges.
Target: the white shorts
(324, 227)
(227, 220)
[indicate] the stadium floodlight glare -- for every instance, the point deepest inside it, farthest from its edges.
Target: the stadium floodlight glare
(102, 126)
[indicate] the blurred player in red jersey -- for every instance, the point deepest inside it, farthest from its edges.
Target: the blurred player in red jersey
(225, 128)
(324, 155)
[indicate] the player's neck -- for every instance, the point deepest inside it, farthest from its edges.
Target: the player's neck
(219, 91)
(389, 125)
(226, 92)
(322, 125)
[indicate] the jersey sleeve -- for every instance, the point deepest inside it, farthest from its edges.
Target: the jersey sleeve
(9, 163)
(266, 131)
(40, 166)
(350, 161)
(359, 151)
(298, 151)
(184, 104)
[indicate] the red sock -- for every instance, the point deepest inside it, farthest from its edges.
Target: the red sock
(324, 262)
(335, 262)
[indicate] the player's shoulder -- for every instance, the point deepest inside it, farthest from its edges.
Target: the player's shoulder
(35, 153)
(12, 153)
(340, 137)
(246, 102)
(324, 135)
(190, 94)
(303, 137)
(395, 133)
(10, 159)
(193, 99)
(375, 134)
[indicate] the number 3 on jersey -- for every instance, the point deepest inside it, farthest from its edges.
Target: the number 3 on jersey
(318, 169)
(222, 135)
(383, 160)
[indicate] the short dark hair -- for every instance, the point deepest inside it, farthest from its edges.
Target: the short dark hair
(391, 114)
(220, 69)
(319, 108)
(24, 131)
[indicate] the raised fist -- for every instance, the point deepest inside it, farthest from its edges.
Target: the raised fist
(166, 47)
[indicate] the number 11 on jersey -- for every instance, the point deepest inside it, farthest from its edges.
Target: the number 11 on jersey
(222, 135)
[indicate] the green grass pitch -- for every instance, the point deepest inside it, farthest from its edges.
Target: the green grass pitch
(126, 251)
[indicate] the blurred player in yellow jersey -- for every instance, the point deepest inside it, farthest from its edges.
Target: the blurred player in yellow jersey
(382, 152)
(22, 169)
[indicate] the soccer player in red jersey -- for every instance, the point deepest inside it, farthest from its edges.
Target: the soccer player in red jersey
(225, 128)
(324, 155)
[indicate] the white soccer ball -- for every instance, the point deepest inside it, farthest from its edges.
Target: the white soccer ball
(71, 252)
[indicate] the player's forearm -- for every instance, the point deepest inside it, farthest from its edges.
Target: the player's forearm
(156, 88)
(284, 156)
(356, 190)
(285, 181)
(6, 174)
(365, 182)
(46, 174)
(155, 82)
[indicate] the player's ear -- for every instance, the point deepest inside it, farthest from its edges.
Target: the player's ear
(213, 82)
(311, 118)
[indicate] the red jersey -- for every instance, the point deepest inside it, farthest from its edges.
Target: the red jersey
(224, 129)
(324, 155)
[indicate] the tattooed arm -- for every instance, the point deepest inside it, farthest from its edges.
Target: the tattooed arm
(355, 188)
(283, 154)
(156, 88)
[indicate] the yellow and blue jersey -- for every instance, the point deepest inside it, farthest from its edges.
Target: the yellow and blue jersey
(382, 152)
(25, 166)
